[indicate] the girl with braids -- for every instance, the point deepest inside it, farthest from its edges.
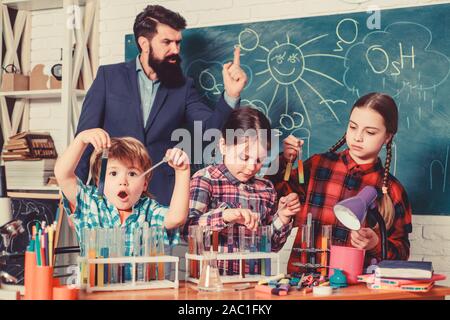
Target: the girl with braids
(333, 176)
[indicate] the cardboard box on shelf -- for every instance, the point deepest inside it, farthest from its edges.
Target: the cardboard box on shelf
(14, 82)
(38, 80)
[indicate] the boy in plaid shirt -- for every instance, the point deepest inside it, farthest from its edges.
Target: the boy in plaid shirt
(229, 195)
(331, 177)
(126, 203)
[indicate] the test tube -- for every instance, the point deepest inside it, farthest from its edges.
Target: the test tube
(145, 249)
(242, 247)
(153, 249)
(192, 249)
(215, 241)
(266, 246)
(113, 254)
(92, 253)
(301, 174)
(160, 252)
(137, 250)
(100, 247)
(106, 253)
(287, 173)
(310, 239)
(325, 245)
(242, 241)
(230, 249)
(252, 262)
(303, 245)
(124, 267)
(207, 238)
(312, 258)
(84, 253)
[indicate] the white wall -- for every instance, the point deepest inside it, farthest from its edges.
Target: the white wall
(431, 234)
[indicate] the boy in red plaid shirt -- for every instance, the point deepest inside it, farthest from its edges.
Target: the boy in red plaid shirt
(333, 176)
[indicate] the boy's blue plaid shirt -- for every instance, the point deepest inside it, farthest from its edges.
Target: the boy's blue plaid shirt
(92, 212)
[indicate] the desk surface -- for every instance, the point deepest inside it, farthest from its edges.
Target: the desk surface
(187, 291)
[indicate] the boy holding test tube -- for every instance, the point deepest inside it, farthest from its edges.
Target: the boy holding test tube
(126, 203)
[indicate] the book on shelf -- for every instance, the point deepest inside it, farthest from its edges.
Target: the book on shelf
(22, 151)
(16, 146)
(400, 269)
(10, 157)
(29, 145)
(29, 166)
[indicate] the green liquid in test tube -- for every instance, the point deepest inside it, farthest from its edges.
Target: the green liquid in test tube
(266, 246)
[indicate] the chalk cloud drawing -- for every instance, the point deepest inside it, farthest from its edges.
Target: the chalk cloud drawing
(395, 59)
(444, 170)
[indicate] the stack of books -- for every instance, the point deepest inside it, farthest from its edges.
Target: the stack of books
(29, 145)
(16, 150)
(415, 276)
(29, 173)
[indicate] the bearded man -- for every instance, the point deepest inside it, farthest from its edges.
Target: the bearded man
(149, 97)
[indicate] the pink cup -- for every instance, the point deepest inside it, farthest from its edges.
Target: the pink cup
(350, 260)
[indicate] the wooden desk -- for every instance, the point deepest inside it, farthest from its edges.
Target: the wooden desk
(186, 291)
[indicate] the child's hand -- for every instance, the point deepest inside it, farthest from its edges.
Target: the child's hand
(98, 137)
(291, 147)
(364, 238)
(178, 159)
(288, 206)
(242, 216)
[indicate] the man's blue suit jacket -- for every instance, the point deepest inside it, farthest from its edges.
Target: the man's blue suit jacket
(113, 103)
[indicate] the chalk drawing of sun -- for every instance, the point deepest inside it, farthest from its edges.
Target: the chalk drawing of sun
(286, 67)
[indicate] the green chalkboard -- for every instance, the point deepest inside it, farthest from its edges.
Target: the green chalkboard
(305, 74)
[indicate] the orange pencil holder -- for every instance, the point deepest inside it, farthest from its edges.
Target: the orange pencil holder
(30, 266)
(43, 283)
(65, 293)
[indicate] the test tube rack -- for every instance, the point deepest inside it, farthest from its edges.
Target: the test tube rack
(307, 251)
(241, 277)
(132, 284)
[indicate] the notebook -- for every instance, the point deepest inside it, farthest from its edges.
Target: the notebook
(370, 278)
(404, 269)
(419, 287)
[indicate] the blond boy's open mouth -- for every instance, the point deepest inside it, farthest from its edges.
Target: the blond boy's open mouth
(122, 195)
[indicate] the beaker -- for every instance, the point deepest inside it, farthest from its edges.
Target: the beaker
(210, 277)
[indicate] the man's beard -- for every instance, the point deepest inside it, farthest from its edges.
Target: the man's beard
(170, 74)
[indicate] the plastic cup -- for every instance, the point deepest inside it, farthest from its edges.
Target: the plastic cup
(30, 266)
(350, 260)
(65, 293)
(43, 283)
